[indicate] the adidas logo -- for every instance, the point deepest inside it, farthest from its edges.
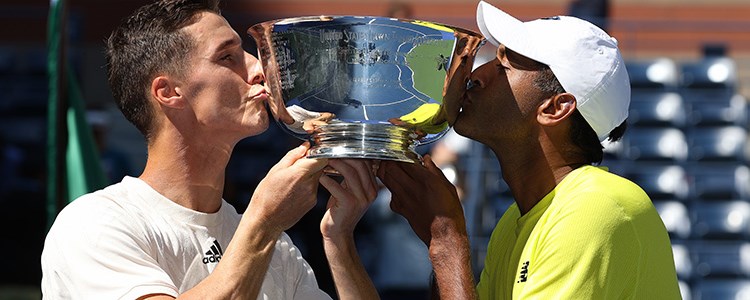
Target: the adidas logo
(214, 254)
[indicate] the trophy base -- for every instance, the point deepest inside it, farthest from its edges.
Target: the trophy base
(362, 140)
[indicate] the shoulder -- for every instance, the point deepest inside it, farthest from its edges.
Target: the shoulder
(590, 179)
(89, 208)
(591, 190)
(594, 202)
(98, 216)
(110, 203)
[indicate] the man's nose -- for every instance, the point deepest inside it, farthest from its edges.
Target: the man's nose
(254, 70)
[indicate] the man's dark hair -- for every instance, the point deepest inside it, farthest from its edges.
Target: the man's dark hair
(147, 43)
(581, 132)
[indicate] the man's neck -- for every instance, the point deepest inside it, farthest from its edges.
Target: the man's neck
(533, 173)
(188, 172)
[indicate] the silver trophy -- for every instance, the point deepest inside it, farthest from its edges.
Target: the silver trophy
(358, 87)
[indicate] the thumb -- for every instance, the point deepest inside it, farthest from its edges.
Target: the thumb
(292, 156)
(311, 165)
(432, 167)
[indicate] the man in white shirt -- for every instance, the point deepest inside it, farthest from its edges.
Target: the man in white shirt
(179, 74)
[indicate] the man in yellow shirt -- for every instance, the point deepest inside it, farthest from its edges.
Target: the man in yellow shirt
(556, 88)
(596, 236)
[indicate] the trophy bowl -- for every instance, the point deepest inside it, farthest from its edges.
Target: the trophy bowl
(355, 86)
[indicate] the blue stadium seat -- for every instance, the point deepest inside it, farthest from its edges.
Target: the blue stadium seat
(33, 60)
(718, 143)
(26, 129)
(656, 144)
(668, 182)
(716, 107)
(683, 262)
(675, 216)
(720, 181)
(492, 210)
(721, 259)
(613, 154)
(722, 289)
(722, 219)
(656, 108)
(685, 290)
(657, 73)
(710, 73)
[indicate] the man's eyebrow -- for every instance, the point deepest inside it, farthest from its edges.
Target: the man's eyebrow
(227, 44)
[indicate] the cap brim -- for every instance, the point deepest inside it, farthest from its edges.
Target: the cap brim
(498, 27)
(495, 24)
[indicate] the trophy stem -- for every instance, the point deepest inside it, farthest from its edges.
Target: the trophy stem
(361, 140)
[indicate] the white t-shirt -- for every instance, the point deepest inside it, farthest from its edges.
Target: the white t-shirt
(127, 240)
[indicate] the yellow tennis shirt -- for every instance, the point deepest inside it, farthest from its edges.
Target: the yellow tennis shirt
(595, 236)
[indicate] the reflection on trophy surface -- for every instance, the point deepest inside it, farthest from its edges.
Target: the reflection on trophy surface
(358, 87)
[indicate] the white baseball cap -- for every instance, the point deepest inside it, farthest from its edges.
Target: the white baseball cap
(584, 58)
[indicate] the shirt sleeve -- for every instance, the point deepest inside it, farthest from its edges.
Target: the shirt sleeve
(95, 251)
(589, 251)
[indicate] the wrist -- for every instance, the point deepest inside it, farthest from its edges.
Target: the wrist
(340, 243)
(446, 229)
(448, 251)
(259, 231)
(448, 239)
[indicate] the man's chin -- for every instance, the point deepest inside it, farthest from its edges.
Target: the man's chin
(461, 126)
(258, 127)
(454, 115)
(450, 115)
(453, 110)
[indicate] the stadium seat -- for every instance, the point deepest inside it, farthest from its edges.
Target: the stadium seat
(613, 153)
(27, 130)
(722, 289)
(660, 181)
(656, 144)
(685, 290)
(683, 262)
(491, 211)
(33, 61)
(675, 216)
(657, 73)
(719, 181)
(656, 108)
(722, 220)
(719, 143)
(721, 259)
(710, 73)
(715, 107)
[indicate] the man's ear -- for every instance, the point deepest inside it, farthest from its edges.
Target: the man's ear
(556, 109)
(164, 89)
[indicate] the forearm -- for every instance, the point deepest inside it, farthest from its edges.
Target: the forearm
(451, 262)
(349, 275)
(240, 273)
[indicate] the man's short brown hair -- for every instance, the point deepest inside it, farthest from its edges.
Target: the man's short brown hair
(147, 43)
